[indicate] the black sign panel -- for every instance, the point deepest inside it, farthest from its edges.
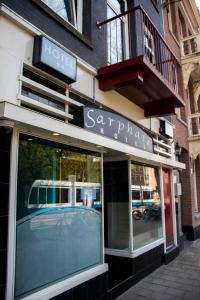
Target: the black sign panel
(53, 59)
(114, 126)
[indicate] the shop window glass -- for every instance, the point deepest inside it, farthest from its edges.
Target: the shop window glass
(116, 196)
(146, 205)
(58, 213)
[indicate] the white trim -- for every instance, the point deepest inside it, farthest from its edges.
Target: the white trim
(102, 213)
(158, 150)
(44, 107)
(63, 286)
(54, 289)
(148, 247)
(12, 216)
(173, 208)
(33, 30)
(195, 185)
(130, 207)
(135, 253)
(46, 91)
(41, 121)
(162, 205)
(80, 15)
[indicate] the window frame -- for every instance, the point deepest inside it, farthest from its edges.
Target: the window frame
(76, 13)
(148, 36)
(55, 288)
(155, 4)
(69, 26)
(123, 36)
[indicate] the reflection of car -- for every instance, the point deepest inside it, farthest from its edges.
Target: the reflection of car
(53, 193)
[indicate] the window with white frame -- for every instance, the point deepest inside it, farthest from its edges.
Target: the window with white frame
(149, 45)
(53, 220)
(115, 32)
(69, 10)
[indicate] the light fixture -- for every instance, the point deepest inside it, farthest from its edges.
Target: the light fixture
(178, 149)
(55, 134)
(29, 139)
(98, 146)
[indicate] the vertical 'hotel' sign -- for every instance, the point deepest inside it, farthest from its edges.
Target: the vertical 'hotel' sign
(54, 60)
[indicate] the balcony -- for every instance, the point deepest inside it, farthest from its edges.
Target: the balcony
(190, 48)
(141, 66)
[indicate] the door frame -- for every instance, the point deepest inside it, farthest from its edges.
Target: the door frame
(175, 241)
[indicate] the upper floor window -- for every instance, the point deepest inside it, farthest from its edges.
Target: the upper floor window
(155, 3)
(115, 32)
(69, 10)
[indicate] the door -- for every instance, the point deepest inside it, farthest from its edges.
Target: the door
(168, 208)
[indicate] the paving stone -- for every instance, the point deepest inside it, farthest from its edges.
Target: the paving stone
(180, 279)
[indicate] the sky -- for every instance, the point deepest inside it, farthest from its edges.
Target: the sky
(198, 3)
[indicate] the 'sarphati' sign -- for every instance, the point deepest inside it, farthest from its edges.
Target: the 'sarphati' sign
(114, 126)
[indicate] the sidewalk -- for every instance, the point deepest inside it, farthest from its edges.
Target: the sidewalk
(180, 279)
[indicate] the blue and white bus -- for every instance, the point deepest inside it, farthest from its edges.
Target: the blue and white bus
(54, 193)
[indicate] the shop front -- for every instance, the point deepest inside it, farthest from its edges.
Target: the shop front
(83, 210)
(86, 196)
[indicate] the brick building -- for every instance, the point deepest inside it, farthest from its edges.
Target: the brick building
(182, 27)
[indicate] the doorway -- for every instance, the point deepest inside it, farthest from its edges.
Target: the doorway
(168, 208)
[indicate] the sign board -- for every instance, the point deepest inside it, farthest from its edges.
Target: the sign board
(114, 126)
(54, 60)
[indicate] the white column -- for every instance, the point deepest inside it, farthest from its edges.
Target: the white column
(12, 216)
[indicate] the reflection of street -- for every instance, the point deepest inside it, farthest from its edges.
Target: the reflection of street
(146, 229)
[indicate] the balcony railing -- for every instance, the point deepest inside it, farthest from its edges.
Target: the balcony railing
(190, 46)
(132, 34)
(194, 125)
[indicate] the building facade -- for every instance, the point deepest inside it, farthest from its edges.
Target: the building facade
(182, 22)
(88, 159)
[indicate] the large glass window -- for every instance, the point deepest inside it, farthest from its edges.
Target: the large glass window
(58, 213)
(146, 205)
(117, 233)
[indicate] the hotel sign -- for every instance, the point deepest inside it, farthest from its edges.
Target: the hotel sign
(54, 60)
(114, 126)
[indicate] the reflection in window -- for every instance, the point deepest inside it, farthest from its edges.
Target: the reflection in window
(58, 213)
(60, 7)
(115, 33)
(69, 10)
(146, 205)
(149, 45)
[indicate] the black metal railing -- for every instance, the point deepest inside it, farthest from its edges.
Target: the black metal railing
(131, 34)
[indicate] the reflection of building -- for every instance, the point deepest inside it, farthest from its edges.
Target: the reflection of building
(73, 82)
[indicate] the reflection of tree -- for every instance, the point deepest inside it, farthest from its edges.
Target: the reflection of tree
(40, 161)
